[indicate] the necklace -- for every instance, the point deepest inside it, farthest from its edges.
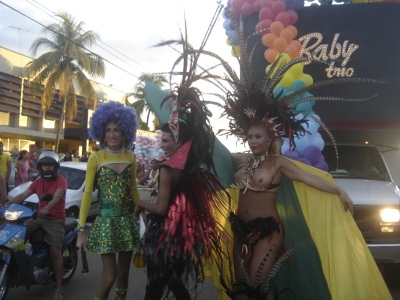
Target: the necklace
(254, 163)
(113, 151)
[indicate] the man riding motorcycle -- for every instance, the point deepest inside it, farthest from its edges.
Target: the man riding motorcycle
(51, 190)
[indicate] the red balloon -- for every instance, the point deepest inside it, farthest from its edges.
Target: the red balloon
(284, 18)
(278, 6)
(266, 13)
(234, 12)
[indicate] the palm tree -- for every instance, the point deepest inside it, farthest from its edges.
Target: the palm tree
(138, 94)
(64, 66)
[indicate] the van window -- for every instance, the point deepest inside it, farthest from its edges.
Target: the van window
(356, 162)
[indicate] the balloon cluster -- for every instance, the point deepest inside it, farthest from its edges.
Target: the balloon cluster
(308, 147)
(275, 25)
(147, 148)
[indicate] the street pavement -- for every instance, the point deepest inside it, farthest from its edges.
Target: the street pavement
(83, 285)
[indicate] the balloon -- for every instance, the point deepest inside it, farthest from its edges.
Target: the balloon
(292, 52)
(296, 44)
(316, 140)
(237, 4)
(280, 91)
(270, 55)
(294, 30)
(257, 5)
(266, 3)
(301, 143)
(322, 165)
(297, 85)
(280, 44)
(304, 161)
(312, 153)
(268, 40)
(286, 80)
(287, 34)
(293, 154)
(278, 6)
(293, 17)
(266, 13)
(276, 27)
(283, 17)
(307, 79)
(247, 9)
(305, 108)
(263, 27)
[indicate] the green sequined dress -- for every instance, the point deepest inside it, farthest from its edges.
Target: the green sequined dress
(115, 228)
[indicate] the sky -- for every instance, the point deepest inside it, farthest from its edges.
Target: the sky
(128, 31)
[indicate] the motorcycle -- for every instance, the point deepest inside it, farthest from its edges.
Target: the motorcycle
(21, 266)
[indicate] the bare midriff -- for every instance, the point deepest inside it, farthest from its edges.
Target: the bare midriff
(257, 204)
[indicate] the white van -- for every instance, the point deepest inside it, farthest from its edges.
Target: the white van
(362, 171)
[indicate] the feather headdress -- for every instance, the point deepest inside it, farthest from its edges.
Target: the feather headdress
(189, 116)
(251, 102)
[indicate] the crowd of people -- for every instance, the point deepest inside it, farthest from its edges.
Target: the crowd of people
(243, 234)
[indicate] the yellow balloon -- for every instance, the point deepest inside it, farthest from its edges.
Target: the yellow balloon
(286, 80)
(296, 70)
(228, 42)
(236, 51)
(284, 58)
(307, 79)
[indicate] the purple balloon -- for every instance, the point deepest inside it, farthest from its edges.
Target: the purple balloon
(293, 154)
(312, 153)
(322, 165)
(304, 161)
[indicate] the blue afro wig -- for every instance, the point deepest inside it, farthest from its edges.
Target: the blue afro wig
(115, 112)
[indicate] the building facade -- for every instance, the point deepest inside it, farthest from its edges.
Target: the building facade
(22, 119)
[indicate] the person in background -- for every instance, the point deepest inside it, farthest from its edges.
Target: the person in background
(75, 156)
(5, 165)
(67, 156)
(151, 173)
(84, 157)
(3, 189)
(23, 168)
(112, 170)
(140, 173)
(51, 190)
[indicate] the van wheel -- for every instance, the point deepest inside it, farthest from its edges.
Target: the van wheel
(72, 212)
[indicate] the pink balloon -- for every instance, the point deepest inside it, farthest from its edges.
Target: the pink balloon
(278, 6)
(234, 12)
(266, 3)
(284, 18)
(263, 26)
(247, 9)
(293, 16)
(266, 13)
(237, 4)
(257, 5)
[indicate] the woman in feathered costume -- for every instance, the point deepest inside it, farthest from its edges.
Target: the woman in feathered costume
(181, 231)
(287, 211)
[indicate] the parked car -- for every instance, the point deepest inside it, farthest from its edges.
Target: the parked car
(376, 198)
(75, 173)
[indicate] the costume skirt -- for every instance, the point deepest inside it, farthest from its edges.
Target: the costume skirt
(113, 234)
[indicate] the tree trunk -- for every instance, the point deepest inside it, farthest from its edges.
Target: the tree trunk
(60, 128)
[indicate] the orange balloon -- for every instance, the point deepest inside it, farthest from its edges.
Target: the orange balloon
(280, 44)
(296, 44)
(270, 55)
(268, 40)
(292, 51)
(293, 29)
(287, 34)
(276, 27)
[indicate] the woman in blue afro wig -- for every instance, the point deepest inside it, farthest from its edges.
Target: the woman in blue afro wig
(115, 112)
